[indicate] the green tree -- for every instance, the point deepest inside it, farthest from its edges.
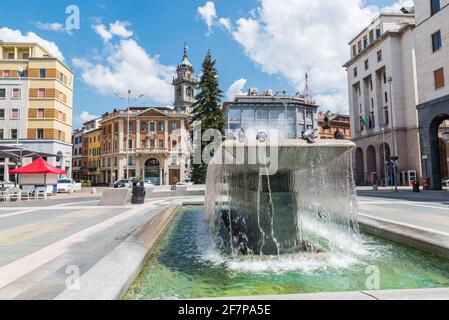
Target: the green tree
(207, 111)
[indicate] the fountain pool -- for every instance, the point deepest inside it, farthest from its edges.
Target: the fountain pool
(188, 264)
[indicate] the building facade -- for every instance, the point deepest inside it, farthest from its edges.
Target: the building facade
(36, 94)
(77, 153)
(92, 139)
(383, 97)
(432, 55)
(156, 145)
(257, 112)
(339, 125)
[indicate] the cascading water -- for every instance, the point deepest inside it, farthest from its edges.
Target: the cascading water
(307, 205)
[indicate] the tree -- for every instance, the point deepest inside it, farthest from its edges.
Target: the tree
(207, 111)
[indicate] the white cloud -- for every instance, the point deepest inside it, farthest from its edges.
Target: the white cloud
(119, 28)
(128, 66)
(283, 38)
(236, 89)
(86, 116)
(51, 26)
(10, 35)
(398, 5)
(208, 14)
(225, 23)
(100, 29)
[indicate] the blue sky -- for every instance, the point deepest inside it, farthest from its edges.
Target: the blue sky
(159, 29)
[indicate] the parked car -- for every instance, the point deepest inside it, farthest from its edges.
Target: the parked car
(185, 183)
(124, 183)
(64, 185)
(6, 185)
(445, 182)
(148, 183)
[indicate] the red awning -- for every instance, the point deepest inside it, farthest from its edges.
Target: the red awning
(38, 166)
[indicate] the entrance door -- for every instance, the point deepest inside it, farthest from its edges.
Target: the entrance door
(152, 171)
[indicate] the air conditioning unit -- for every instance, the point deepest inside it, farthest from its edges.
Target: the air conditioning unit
(252, 92)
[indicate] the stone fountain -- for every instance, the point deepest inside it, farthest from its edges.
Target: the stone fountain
(261, 195)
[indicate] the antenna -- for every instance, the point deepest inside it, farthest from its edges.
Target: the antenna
(307, 94)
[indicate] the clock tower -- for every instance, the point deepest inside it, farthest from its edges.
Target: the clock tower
(184, 84)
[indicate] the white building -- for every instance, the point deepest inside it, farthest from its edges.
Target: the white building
(383, 113)
(432, 56)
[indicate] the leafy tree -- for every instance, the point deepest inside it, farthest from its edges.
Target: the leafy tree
(207, 110)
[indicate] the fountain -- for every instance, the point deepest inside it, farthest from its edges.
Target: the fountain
(272, 206)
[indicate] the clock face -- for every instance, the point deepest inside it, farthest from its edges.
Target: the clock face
(189, 110)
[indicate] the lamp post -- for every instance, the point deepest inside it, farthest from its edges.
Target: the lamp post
(129, 100)
(20, 71)
(395, 158)
(385, 157)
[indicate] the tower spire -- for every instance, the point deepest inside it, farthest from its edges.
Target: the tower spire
(186, 50)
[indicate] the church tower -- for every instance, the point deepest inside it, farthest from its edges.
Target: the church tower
(184, 84)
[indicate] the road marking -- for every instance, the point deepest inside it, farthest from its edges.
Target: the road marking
(74, 203)
(27, 264)
(16, 213)
(431, 205)
(405, 224)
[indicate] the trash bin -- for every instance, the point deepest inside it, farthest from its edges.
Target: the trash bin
(139, 193)
(416, 186)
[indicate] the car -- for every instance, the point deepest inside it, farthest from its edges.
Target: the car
(445, 182)
(65, 185)
(124, 183)
(185, 183)
(6, 184)
(148, 183)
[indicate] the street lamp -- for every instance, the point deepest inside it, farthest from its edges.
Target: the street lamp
(20, 71)
(394, 158)
(385, 157)
(129, 100)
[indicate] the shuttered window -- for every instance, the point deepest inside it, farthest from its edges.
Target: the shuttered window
(439, 78)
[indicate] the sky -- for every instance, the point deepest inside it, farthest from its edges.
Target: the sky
(136, 45)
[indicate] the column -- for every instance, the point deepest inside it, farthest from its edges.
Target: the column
(120, 136)
(138, 134)
(6, 170)
(166, 172)
(121, 168)
(1, 53)
(16, 55)
(30, 52)
(182, 168)
(166, 134)
(161, 176)
(138, 173)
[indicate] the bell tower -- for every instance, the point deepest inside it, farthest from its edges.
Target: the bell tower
(184, 84)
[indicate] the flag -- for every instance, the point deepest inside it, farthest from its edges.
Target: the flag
(363, 123)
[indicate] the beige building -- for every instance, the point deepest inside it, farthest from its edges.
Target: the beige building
(432, 56)
(383, 97)
(36, 94)
(158, 145)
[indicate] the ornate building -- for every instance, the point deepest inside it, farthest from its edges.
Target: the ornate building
(338, 122)
(158, 148)
(184, 84)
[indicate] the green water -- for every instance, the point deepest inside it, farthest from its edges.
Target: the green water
(187, 266)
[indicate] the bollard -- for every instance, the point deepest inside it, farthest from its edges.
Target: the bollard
(138, 196)
(93, 190)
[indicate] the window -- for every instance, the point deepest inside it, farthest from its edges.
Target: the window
(174, 126)
(2, 113)
(436, 41)
(130, 144)
(60, 115)
(6, 73)
(41, 93)
(372, 103)
(385, 77)
(372, 123)
(379, 56)
(25, 56)
(386, 97)
(354, 50)
(366, 64)
(359, 45)
(174, 143)
(60, 135)
(161, 126)
(386, 116)
(11, 56)
(40, 134)
(355, 72)
(371, 84)
(378, 33)
(152, 126)
(439, 78)
(365, 42)
(15, 114)
(41, 113)
(2, 93)
(434, 6)
(13, 133)
(130, 160)
(42, 73)
(15, 93)
(161, 144)
(1, 134)
(371, 36)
